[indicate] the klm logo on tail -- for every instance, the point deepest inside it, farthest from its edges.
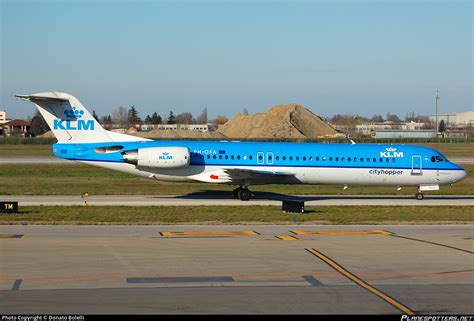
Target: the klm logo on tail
(73, 121)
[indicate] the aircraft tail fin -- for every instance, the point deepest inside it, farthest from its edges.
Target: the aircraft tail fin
(70, 121)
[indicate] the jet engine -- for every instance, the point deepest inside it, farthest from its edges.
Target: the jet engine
(158, 157)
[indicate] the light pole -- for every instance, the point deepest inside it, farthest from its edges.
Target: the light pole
(436, 99)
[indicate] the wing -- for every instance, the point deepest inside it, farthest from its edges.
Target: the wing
(243, 176)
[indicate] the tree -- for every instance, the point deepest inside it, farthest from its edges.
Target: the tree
(393, 118)
(133, 118)
(377, 119)
(202, 119)
(442, 126)
(120, 116)
(171, 118)
(155, 118)
(185, 118)
(220, 120)
(148, 120)
(38, 125)
(95, 116)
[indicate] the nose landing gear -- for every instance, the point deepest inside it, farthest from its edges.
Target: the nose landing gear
(419, 196)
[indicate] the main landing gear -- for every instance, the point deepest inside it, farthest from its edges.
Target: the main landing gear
(242, 193)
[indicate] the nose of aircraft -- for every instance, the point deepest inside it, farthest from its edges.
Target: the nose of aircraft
(459, 175)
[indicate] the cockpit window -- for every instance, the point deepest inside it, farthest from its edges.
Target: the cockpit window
(436, 159)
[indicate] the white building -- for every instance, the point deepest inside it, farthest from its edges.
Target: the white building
(192, 127)
(465, 119)
(3, 117)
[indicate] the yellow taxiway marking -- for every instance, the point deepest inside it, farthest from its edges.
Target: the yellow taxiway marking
(286, 238)
(11, 236)
(341, 232)
(360, 282)
(208, 233)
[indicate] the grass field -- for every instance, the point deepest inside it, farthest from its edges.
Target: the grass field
(75, 178)
(239, 215)
(449, 149)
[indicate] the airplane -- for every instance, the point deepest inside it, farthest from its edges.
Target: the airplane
(81, 138)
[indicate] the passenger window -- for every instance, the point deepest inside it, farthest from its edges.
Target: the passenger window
(317, 158)
(337, 159)
(304, 158)
(324, 158)
(310, 158)
(381, 159)
(330, 159)
(238, 156)
(250, 157)
(270, 157)
(226, 156)
(260, 157)
(284, 157)
(342, 159)
(348, 159)
(362, 159)
(214, 157)
(393, 160)
(291, 157)
(374, 160)
(386, 160)
(220, 156)
(277, 157)
(232, 157)
(368, 159)
(208, 156)
(297, 158)
(355, 159)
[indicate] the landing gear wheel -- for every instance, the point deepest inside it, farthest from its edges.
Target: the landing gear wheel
(244, 194)
(419, 196)
(236, 191)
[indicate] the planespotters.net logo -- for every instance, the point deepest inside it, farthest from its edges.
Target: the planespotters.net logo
(437, 318)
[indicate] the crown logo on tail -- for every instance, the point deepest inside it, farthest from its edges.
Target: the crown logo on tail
(73, 113)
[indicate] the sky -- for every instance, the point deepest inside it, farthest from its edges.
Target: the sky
(334, 57)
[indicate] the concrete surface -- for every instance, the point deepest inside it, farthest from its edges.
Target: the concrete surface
(210, 198)
(133, 269)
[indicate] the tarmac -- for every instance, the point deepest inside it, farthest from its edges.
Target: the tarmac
(208, 198)
(293, 269)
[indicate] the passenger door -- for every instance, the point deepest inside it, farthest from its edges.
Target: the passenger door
(416, 165)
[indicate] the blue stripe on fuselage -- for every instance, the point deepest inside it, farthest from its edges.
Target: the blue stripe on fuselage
(214, 153)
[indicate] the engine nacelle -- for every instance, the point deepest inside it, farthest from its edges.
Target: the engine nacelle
(159, 157)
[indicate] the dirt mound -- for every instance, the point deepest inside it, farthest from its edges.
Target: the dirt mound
(283, 121)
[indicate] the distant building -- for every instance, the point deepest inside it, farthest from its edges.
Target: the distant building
(369, 129)
(3, 117)
(16, 127)
(176, 127)
(399, 133)
(459, 120)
